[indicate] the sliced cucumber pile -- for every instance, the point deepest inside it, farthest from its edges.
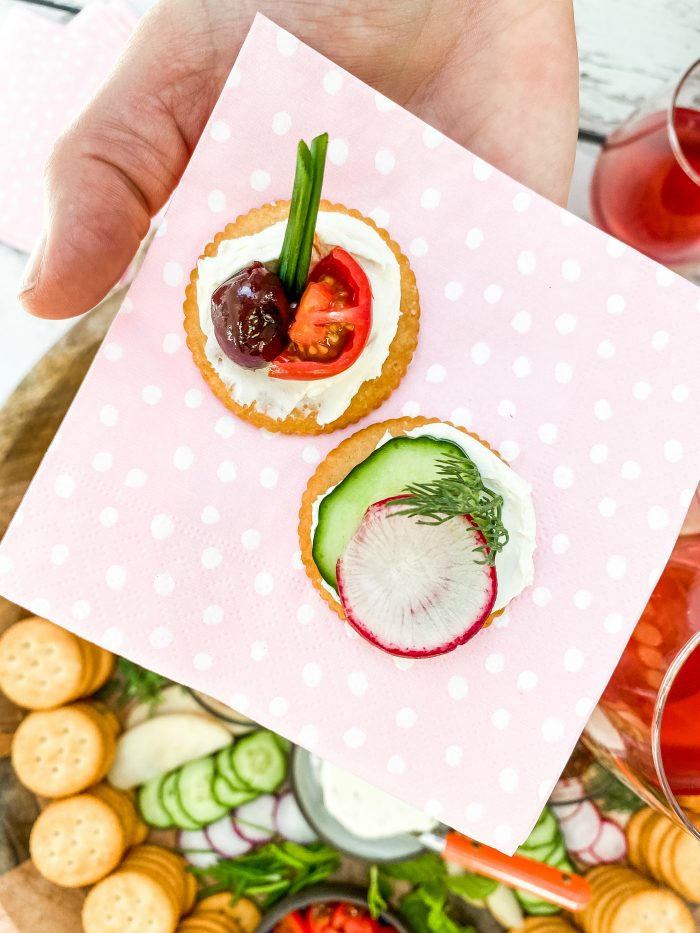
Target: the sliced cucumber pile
(544, 844)
(204, 790)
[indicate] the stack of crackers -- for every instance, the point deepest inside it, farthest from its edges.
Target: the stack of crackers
(546, 925)
(668, 853)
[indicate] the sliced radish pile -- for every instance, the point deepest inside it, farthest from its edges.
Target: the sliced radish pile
(225, 840)
(413, 589)
(566, 790)
(290, 821)
(611, 844)
(581, 829)
(255, 821)
(565, 811)
(196, 848)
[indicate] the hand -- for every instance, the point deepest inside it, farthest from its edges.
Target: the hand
(498, 76)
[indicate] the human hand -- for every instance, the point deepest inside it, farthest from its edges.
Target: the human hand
(498, 76)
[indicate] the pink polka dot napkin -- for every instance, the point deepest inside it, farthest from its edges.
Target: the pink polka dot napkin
(161, 526)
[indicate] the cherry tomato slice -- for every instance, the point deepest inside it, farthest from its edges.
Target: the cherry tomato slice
(351, 919)
(292, 923)
(319, 918)
(331, 324)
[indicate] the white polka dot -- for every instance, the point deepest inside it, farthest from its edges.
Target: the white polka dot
(430, 199)
(454, 291)
(332, 81)
(269, 478)
(545, 789)
(631, 470)
(354, 737)
(102, 462)
(598, 453)
(521, 322)
(396, 765)
(220, 131)
(607, 507)
(250, 539)
(573, 660)
(481, 353)
(216, 200)
(152, 395)
(419, 247)
(112, 638)
(384, 161)
(213, 615)
(172, 273)
(606, 349)
(162, 526)
(660, 340)
(160, 637)
(411, 409)
(113, 351)
(164, 584)
(59, 554)
(522, 366)
(453, 756)
(115, 578)
(311, 674)
(522, 201)
(279, 706)
(552, 729)
(563, 477)
(281, 124)
(664, 276)
(210, 515)
(615, 304)
(673, 451)
(380, 216)
(615, 248)
(571, 270)
(358, 683)
(287, 44)
(258, 651)
(211, 558)
(109, 416)
(657, 518)
(40, 606)
(240, 702)
(507, 408)
(481, 170)
(474, 812)
(193, 398)
(461, 416)
(183, 458)
(406, 718)
(203, 661)
(616, 567)
(263, 583)
(225, 427)
(527, 262)
(641, 391)
(260, 179)
(584, 707)
(541, 595)
(527, 681)
(583, 599)
(613, 623)
(563, 373)
(226, 471)
(308, 736)
(433, 808)
(495, 663)
(686, 497)
(566, 323)
(431, 137)
(382, 103)
(509, 449)
(508, 780)
(436, 373)
(172, 343)
(500, 718)
(457, 687)
(493, 294)
(680, 393)
(109, 517)
(603, 410)
(561, 543)
(305, 614)
(548, 433)
(475, 237)
(338, 151)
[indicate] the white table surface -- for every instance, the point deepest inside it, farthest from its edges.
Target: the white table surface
(629, 50)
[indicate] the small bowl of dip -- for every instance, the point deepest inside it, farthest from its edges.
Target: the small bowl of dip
(326, 902)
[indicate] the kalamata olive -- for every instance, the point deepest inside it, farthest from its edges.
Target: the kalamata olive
(251, 316)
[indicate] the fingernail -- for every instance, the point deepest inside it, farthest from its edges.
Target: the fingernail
(33, 267)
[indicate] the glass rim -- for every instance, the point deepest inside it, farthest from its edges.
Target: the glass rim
(671, 125)
(667, 683)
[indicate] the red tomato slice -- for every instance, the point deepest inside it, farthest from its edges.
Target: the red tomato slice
(319, 918)
(331, 324)
(292, 923)
(352, 919)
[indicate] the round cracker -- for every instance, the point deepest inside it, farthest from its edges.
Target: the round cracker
(41, 664)
(191, 891)
(371, 393)
(103, 663)
(333, 470)
(651, 911)
(129, 902)
(77, 841)
(635, 829)
(135, 831)
(684, 868)
(651, 840)
(208, 922)
(246, 913)
(163, 865)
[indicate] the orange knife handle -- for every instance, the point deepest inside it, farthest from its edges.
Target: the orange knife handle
(566, 890)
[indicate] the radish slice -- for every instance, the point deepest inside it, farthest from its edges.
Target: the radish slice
(196, 848)
(223, 838)
(586, 857)
(415, 590)
(255, 821)
(581, 830)
(565, 811)
(611, 845)
(290, 821)
(566, 790)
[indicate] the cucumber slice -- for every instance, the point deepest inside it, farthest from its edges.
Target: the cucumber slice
(259, 761)
(545, 831)
(541, 853)
(230, 797)
(535, 906)
(171, 803)
(150, 806)
(385, 473)
(195, 788)
(558, 856)
(224, 768)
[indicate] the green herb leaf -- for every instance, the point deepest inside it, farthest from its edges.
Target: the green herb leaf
(426, 869)
(132, 682)
(298, 212)
(378, 893)
(318, 147)
(473, 887)
(424, 908)
(459, 490)
(610, 793)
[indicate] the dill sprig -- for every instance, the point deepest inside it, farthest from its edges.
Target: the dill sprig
(133, 682)
(459, 490)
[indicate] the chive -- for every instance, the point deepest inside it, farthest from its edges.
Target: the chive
(298, 211)
(319, 145)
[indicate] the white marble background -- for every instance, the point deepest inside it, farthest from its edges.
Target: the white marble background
(629, 51)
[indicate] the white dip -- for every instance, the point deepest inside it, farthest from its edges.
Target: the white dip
(366, 811)
(514, 564)
(330, 397)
